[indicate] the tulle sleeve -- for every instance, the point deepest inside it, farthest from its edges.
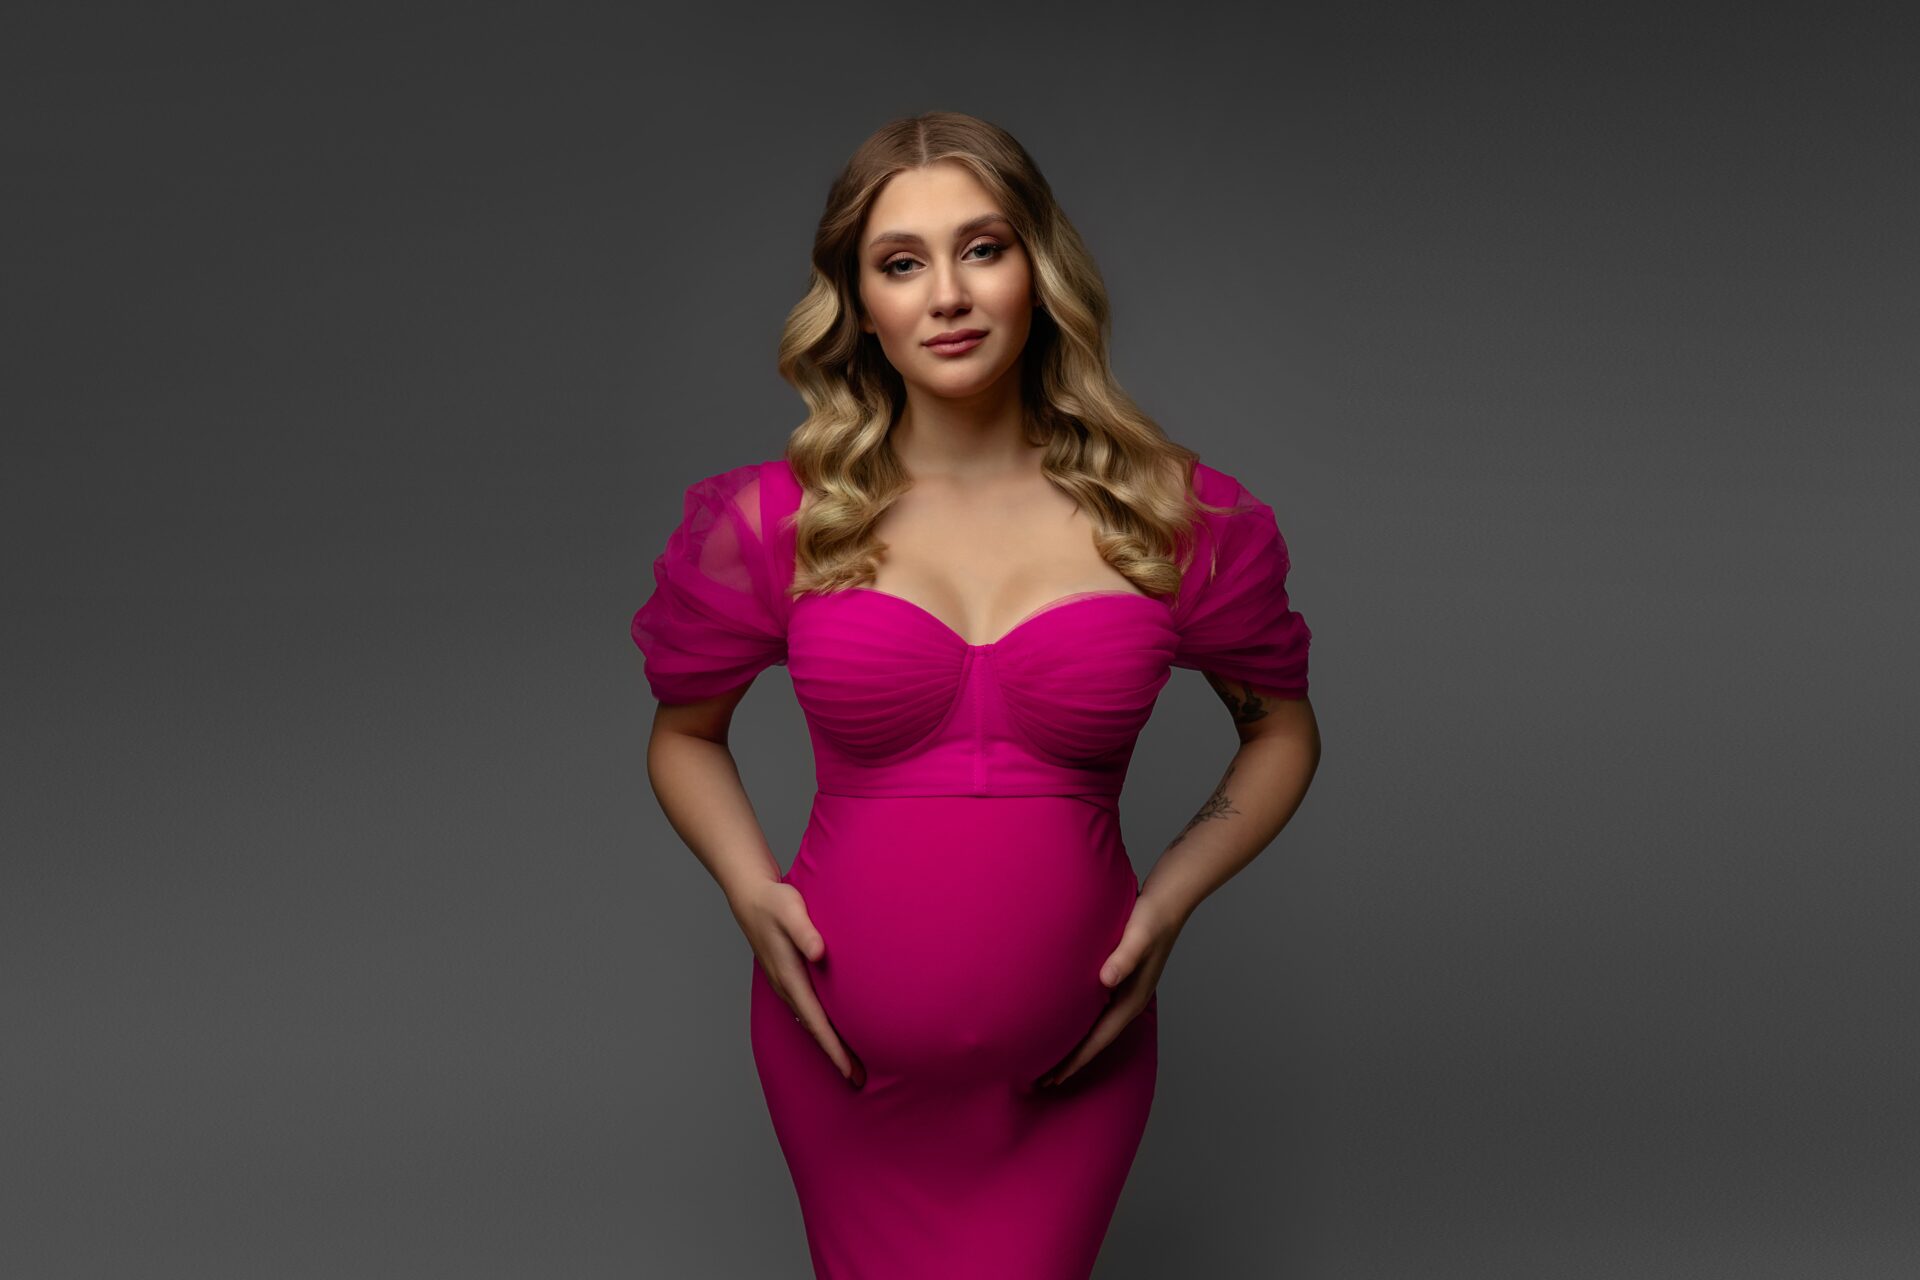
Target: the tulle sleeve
(716, 618)
(1235, 621)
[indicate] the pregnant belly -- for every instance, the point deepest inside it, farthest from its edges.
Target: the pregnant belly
(964, 935)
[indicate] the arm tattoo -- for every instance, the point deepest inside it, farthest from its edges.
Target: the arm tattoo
(1246, 705)
(1217, 806)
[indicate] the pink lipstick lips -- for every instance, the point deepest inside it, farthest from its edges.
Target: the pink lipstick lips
(955, 342)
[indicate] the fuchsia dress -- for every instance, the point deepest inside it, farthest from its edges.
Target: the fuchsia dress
(964, 864)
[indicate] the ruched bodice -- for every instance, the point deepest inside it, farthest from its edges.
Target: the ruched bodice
(898, 703)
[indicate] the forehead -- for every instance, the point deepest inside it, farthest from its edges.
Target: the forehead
(935, 201)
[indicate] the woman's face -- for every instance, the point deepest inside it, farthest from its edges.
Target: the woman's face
(936, 256)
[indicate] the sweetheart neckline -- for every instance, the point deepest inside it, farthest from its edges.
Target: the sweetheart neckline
(1074, 597)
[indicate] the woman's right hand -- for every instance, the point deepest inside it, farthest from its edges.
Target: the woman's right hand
(774, 917)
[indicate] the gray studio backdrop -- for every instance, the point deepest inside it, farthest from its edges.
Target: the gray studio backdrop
(358, 362)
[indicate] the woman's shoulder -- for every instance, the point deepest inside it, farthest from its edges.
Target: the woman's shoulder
(1221, 488)
(767, 484)
(767, 473)
(780, 490)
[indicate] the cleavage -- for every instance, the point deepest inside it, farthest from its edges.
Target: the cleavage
(1037, 602)
(1067, 560)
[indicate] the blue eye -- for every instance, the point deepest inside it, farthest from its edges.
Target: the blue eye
(887, 269)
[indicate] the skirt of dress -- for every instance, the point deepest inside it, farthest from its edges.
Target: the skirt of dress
(964, 937)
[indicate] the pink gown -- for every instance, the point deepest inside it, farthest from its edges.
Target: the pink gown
(964, 864)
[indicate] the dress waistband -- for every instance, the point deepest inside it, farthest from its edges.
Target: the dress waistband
(1105, 800)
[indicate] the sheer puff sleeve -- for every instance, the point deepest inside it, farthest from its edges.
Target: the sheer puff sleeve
(1234, 621)
(717, 615)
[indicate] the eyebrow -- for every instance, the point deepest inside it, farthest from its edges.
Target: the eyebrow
(966, 228)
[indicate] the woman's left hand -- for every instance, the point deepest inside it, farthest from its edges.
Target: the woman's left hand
(1131, 972)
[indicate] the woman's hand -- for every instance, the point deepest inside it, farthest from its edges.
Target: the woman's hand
(774, 918)
(1132, 972)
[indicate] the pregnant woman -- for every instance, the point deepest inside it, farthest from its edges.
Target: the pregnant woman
(978, 561)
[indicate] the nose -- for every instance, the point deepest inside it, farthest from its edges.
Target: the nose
(949, 291)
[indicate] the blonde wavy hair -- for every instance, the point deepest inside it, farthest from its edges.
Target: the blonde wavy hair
(1135, 484)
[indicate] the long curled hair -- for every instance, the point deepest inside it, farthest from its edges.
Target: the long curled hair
(1135, 484)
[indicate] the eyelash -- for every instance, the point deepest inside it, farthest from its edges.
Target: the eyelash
(887, 267)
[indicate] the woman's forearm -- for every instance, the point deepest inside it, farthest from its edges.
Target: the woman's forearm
(698, 785)
(1257, 796)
